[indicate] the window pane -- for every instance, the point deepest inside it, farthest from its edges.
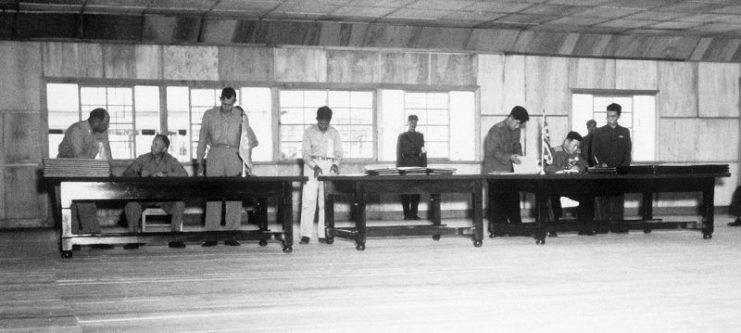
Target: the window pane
(92, 98)
(258, 104)
(415, 101)
(178, 122)
(147, 114)
(348, 108)
(62, 97)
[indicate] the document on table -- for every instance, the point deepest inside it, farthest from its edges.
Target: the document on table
(528, 165)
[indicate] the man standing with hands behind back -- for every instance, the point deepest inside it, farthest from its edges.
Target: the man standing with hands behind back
(220, 130)
(410, 151)
(612, 147)
(502, 148)
(322, 153)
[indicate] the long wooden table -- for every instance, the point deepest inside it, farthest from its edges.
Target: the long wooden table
(125, 189)
(674, 179)
(359, 187)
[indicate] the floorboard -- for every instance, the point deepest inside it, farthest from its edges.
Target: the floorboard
(663, 281)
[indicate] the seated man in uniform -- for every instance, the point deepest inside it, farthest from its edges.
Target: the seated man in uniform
(567, 159)
(157, 163)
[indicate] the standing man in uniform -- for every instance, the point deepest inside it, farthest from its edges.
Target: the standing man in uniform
(220, 131)
(502, 148)
(612, 147)
(410, 151)
(586, 144)
(156, 163)
(322, 153)
(87, 139)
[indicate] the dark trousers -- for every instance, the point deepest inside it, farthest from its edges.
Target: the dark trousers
(735, 208)
(410, 202)
(85, 218)
(504, 206)
(584, 213)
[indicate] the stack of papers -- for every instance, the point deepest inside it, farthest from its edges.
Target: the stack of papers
(412, 170)
(380, 170)
(601, 170)
(76, 167)
(441, 171)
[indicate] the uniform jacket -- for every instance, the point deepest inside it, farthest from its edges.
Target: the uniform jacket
(612, 146)
(562, 160)
(499, 145)
(409, 150)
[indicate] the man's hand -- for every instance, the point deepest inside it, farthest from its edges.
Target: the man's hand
(334, 169)
(515, 159)
(317, 171)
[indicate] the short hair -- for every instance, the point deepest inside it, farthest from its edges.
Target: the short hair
(98, 114)
(520, 114)
(228, 93)
(591, 121)
(573, 136)
(615, 107)
(164, 139)
(413, 117)
(324, 113)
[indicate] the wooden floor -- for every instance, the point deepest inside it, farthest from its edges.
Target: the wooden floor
(666, 281)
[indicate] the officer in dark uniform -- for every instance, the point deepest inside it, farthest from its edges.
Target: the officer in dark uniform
(611, 146)
(410, 151)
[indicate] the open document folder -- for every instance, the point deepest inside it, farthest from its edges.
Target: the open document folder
(528, 165)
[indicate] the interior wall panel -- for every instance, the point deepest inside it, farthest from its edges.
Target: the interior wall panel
(76, 60)
(490, 78)
(590, 73)
(514, 83)
(3, 194)
(405, 68)
(390, 36)
(442, 38)
(293, 33)
(672, 47)
(591, 45)
(23, 184)
(218, 32)
(20, 76)
(148, 62)
(453, 69)
(492, 40)
(696, 139)
(118, 61)
(353, 66)
(191, 63)
(300, 65)
(246, 63)
(539, 42)
(547, 85)
(677, 95)
(22, 137)
(718, 90)
(635, 74)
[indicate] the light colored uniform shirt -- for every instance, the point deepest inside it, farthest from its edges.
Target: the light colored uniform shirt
(320, 145)
(219, 129)
(80, 142)
(147, 165)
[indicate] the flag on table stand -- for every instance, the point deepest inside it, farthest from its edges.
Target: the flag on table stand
(546, 155)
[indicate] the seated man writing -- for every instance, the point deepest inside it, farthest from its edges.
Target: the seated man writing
(156, 163)
(567, 159)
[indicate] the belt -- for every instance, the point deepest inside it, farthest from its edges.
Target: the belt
(322, 158)
(223, 145)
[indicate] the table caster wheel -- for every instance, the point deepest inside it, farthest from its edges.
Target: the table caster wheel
(329, 240)
(540, 241)
(287, 249)
(477, 243)
(707, 236)
(360, 247)
(436, 237)
(646, 231)
(66, 254)
(263, 242)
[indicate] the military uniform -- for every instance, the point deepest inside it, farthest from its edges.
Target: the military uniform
(612, 146)
(500, 144)
(562, 161)
(409, 153)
